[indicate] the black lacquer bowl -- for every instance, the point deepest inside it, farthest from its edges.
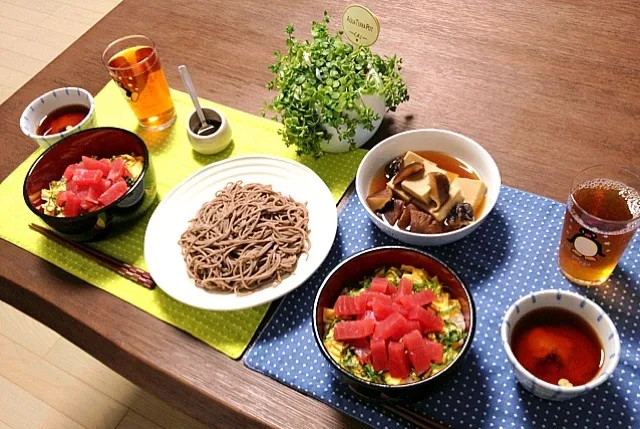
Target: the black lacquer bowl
(102, 142)
(360, 265)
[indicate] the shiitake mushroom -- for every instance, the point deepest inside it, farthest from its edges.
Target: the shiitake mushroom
(460, 215)
(392, 168)
(408, 171)
(439, 191)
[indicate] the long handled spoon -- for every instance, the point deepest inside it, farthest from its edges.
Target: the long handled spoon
(205, 127)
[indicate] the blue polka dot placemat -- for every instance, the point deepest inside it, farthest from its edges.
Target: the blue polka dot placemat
(512, 254)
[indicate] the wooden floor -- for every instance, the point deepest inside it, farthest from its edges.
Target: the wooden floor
(45, 381)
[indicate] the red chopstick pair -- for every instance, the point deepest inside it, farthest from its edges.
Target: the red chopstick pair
(126, 270)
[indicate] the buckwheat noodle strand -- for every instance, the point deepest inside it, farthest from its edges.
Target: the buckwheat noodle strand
(246, 237)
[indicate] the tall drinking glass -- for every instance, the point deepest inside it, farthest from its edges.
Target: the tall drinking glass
(134, 65)
(603, 213)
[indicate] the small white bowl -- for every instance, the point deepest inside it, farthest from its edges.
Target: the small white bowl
(448, 142)
(47, 103)
(214, 143)
(587, 310)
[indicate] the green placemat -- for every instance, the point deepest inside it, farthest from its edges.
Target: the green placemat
(229, 332)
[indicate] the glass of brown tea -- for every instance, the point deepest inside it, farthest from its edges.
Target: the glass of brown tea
(603, 213)
(134, 65)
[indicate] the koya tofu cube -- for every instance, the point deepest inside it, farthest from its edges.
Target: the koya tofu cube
(419, 187)
(398, 192)
(473, 191)
(410, 157)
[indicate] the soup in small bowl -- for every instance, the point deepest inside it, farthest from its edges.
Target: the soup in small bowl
(58, 114)
(560, 344)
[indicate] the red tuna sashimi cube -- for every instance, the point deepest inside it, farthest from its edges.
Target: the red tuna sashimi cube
(113, 193)
(417, 351)
(62, 198)
(391, 289)
(408, 327)
(368, 315)
(105, 161)
(117, 169)
(379, 355)
(400, 309)
(429, 320)
(68, 172)
(84, 177)
(405, 287)
(94, 164)
(353, 329)
(376, 296)
(359, 343)
(72, 205)
(350, 305)
(72, 186)
(434, 351)
(86, 204)
(418, 299)
(413, 340)
(363, 354)
(379, 284)
(413, 324)
(390, 326)
(398, 361)
(98, 189)
(401, 329)
(381, 309)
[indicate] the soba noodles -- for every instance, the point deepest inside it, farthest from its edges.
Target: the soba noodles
(246, 237)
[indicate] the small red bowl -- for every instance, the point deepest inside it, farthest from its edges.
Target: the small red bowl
(360, 265)
(102, 142)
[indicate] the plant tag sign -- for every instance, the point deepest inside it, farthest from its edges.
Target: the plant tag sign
(360, 25)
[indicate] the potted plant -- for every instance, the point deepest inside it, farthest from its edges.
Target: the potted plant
(331, 95)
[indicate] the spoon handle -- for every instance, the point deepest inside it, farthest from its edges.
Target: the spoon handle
(186, 79)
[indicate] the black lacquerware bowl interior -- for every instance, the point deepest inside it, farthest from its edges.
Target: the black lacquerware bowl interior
(362, 264)
(102, 143)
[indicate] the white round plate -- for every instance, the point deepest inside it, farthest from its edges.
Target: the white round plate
(171, 218)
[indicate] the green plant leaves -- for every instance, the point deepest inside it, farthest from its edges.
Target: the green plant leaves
(320, 82)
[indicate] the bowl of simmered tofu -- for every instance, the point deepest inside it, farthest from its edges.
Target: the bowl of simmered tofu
(428, 187)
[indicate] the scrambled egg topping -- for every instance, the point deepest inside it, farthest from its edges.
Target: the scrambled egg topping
(448, 309)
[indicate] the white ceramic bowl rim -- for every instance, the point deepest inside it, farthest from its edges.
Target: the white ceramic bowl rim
(223, 123)
(92, 106)
(602, 376)
(485, 211)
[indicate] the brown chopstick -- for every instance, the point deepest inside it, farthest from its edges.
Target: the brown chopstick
(126, 270)
(415, 418)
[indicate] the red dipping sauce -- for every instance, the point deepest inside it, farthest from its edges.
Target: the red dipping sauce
(58, 120)
(552, 344)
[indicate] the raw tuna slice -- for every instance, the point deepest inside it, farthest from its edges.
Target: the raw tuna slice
(398, 361)
(353, 329)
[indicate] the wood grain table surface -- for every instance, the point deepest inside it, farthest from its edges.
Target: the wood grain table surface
(547, 87)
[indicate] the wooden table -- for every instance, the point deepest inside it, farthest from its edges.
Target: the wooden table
(547, 87)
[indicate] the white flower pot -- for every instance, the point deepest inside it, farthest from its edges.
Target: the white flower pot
(375, 102)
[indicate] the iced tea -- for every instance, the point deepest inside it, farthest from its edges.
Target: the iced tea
(601, 218)
(134, 65)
